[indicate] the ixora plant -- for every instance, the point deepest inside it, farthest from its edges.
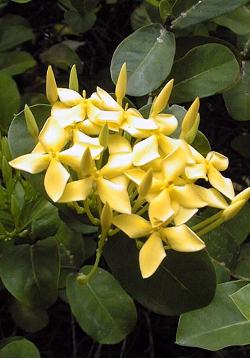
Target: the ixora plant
(135, 181)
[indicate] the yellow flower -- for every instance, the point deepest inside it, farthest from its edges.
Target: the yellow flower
(179, 238)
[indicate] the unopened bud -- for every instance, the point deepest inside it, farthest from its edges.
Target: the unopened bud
(145, 184)
(244, 195)
(233, 209)
(121, 84)
(190, 119)
(31, 123)
(51, 86)
(161, 100)
(106, 217)
(86, 164)
(73, 79)
(104, 136)
(191, 134)
(6, 149)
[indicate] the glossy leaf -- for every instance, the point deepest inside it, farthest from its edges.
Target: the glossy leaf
(201, 77)
(16, 62)
(241, 298)
(9, 100)
(195, 12)
(33, 279)
(186, 280)
(237, 99)
(201, 143)
(30, 319)
(239, 226)
(21, 348)
(102, 308)
(238, 20)
(242, 269)
(216, 326)
(149, 50)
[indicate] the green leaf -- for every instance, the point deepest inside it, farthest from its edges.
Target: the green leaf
(216, 326)
(237, 98)
(12, 35)
(241, 144)
(165, 9)
(30, 319)
(241, 298)
(80, 23)
(201, 77)
(201, 144)
(242, 269)
(222, 272)
(78, 223)
(9, 100)
(21, 348)
(62, 57)
(183, 282)
(239, 226)
(148, 51)
(194, 12)
(102, 308)
(238, 20)
(179, 112)
(140, 17)
(33, 278)
(16, 62)
(21, 1)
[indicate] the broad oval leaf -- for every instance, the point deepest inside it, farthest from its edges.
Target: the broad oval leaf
(183, 282)
(216, 326)
(237, 98)
(149, 54)
(203, 77)
(102, 308)
(196, 11)
(241, 298)
(21, 348)
(9, 100)
(242, 269)
(16, 62)
(13, 35)
(238, 20)
(33, 278)
(201, 143)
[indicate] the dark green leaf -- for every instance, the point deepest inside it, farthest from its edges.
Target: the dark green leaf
(148, 51)
(241, 298)
(33, 279)
(140, 17)
(21, 348)
(16, 62)
(216, 326)
(102, 308)
(30, 319)
(195, 11)
(238, 20)
(237, 98)
(9, 100)
(242, 269)
(165, 9)
(21, 1)
(239, 226)
(201, 144)
(13, 35)
(222, 272)
(80, 23)
(201, 77)
(183, 282)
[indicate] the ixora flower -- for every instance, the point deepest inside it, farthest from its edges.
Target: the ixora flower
(125, 172)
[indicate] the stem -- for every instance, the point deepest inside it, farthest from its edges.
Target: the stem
(206, 221)
(91, 217)
(142, 210)
(210, 227)
(114, 231)
(137, 204)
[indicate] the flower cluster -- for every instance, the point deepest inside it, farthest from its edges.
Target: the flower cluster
(103, 153)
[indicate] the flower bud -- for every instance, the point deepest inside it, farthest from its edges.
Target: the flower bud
(86, 164)
(161, 100)
(5, 148)
(31, 123)
(233, 209)
(51, 86)
(121, 84)
(190, 121)
(106, 217)
(73, 79)
(104, 136)
(244, 195)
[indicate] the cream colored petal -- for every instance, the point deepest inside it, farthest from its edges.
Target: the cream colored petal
(115, 195)
(67, 116)
(151, 255)
(136, 175)
(218, 160)
(138, 122)
(145, 151)
(32, 163)
(167, 123)
(86, 141)
(167, 144)
(109, 117)
(55, 180)
(187, 196)
(69, 97)
(173, 165)
(72, 156)
(121, 179)
(133, 225)
(181, 238)
(118, 144)
(39, 149)
(219, 182)
(196, 171)
(89, 127)
(212, 197)
(183, 215)
(160, 210)
(108, 100)
(52, 136)
(199, 159)
(117, 164)
(161, 100)
(77, 190)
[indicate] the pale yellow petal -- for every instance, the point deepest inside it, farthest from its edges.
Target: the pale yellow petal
(196, 171)
(183, 215)
(89, 127)
(187, 196)
(219, 182)
(39, 149)
(121, 179)
(167, 123)
(160, 210)
(145, 151)
(117, 164)
(55, 180)
(69, 97)
(218, 160)
(118, 144)
(167, 144)
(108, 101)
(52, 136)
(151, 255)
(77, 190)
(137, 121)
(133, 225)
(32, 163)
(212, 197)
(173, 165)
(86, 141)
(72, 156)
(67, 116)
(182, 238)
(115, 195)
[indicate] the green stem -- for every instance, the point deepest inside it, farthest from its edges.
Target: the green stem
(112, 232)
(137, 204)
(210, 227)
(91, 217)
(206, 221)
(143, 210)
